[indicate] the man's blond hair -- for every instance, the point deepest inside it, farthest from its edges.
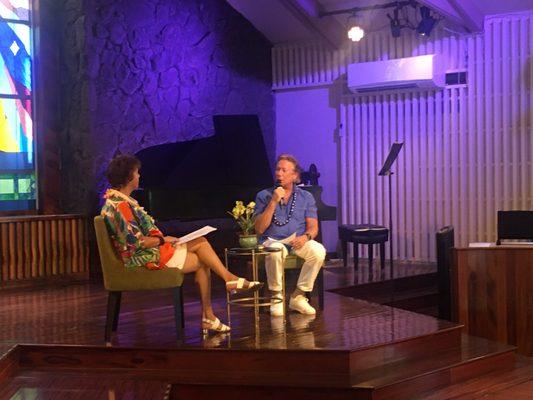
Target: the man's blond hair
(290, 158)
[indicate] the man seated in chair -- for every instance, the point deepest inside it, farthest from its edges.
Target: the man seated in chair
(281, 211)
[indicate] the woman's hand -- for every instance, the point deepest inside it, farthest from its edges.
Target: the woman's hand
(171, 239)
(148, 242)
(299, 242)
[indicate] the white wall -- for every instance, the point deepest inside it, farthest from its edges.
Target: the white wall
(468, 150)
(305, 127)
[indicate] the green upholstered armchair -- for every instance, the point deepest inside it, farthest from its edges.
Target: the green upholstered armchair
(118, 279)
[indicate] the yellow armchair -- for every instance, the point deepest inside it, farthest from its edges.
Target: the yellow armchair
(118, 278)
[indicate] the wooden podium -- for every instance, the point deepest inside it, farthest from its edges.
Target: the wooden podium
(492, 293)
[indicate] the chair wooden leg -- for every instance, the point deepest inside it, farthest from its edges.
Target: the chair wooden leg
(370, 256)
(320, 287)
(382, 254)
(117, 311)
(113, 305)
(355, 256)
(178, 311)
(344, 245)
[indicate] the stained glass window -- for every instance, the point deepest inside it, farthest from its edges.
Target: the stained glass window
(15, 9)
(17, 161)
(15, 59)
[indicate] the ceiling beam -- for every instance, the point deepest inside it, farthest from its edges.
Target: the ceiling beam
(472, 18)
(327, 29)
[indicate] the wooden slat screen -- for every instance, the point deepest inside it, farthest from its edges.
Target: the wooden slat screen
(34, 247)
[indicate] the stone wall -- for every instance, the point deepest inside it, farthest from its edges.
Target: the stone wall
(147, 72)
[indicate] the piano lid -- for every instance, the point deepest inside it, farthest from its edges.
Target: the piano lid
(234, 156)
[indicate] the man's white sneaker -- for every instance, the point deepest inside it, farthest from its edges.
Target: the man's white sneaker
(276, 309)
(301, 304)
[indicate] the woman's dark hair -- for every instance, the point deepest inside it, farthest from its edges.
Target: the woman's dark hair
(120, 170)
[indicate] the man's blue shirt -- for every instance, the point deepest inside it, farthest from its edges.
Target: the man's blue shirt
(305, 207)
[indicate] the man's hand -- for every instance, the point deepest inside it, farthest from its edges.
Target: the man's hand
(299, 242)
(278, 194)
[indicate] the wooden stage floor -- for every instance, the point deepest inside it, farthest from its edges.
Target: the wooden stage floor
(51, 337)
(75, 314)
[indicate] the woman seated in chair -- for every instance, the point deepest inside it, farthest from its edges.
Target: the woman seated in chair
(140, 243)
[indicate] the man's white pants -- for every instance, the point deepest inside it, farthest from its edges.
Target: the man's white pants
(313, 254)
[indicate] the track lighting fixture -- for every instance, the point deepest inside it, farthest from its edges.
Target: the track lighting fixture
(427, 22)
(395, 25)
(401, 18)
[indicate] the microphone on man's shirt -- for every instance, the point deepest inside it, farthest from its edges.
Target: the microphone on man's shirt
(277, 185)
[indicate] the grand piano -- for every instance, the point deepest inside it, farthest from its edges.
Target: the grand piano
(187, 185)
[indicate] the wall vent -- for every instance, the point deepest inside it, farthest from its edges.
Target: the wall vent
(456, 78)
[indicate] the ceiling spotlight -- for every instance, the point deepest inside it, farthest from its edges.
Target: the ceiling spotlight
(355, 32)
(427, 23)
(395, 26)
(401, 18)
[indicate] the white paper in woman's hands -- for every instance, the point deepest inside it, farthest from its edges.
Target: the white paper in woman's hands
(196, 234)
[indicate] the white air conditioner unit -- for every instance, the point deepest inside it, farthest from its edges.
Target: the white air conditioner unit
(421, 72)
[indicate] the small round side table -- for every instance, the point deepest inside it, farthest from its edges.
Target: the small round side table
(254, 301)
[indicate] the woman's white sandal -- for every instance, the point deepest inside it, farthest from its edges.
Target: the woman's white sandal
(214, 326)
(239, 288)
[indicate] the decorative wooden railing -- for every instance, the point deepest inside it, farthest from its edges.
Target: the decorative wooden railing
(41, 247)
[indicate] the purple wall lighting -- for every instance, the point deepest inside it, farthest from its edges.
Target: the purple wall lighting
(156, 72)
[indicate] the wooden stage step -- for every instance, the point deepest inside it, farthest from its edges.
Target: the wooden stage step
(406, 379)
(315, 367)
(395, 370)
(352, 349)
(195, 373)
(418, 293)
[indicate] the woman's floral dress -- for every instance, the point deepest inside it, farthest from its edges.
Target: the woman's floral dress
(126, 222)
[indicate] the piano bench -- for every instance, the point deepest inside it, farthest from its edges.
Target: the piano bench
(291, 267)
(369, 234)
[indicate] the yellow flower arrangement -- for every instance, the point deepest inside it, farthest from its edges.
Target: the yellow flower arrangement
(244, 216)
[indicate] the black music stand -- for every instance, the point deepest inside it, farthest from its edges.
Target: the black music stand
(386, 171)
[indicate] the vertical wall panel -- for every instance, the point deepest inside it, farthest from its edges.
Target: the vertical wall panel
(525, 115)
(468, 149)
(529, 114)
(343, 171)
(470, 196)
(351, 170)
(476, 78)
(377, 155)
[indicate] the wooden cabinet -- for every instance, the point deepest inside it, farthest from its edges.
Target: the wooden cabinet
(492, 293)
